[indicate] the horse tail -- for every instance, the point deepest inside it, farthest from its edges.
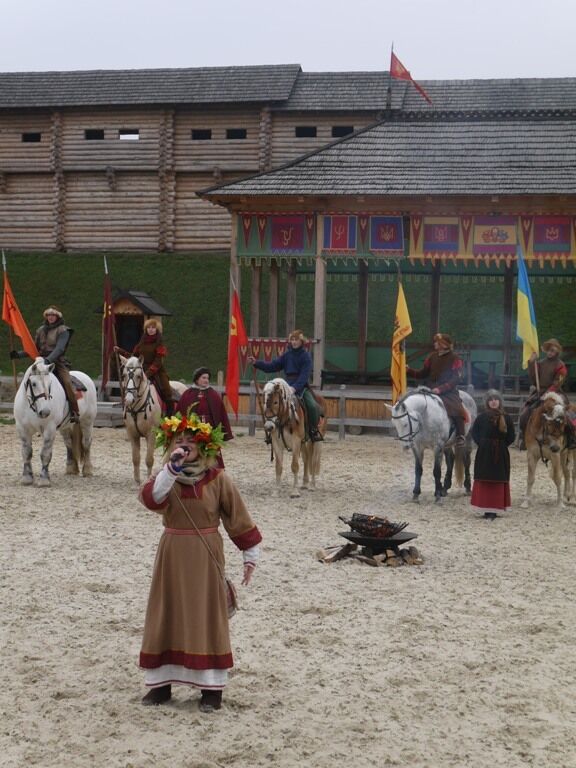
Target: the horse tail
(77, 446)
(316, 455)
(459, 455)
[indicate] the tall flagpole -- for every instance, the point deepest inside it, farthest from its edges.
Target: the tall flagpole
(14, 372)
(389, 91)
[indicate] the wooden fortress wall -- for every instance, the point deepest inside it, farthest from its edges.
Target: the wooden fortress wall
(61, 190)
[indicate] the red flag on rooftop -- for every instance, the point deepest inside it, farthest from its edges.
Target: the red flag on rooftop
(12, 315)
(399, 72)
(237, 338)
(108, 328)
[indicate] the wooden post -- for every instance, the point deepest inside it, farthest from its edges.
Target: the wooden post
(362, 315)
(255, 293)
(234, 268)
(435, 300)
(508, 302)
(273, 297)
(291, 298)
(342, 412)
(319, 305)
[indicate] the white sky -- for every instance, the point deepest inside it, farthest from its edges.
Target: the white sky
(434, 39)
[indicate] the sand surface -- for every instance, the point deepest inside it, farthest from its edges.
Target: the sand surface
(468, 660)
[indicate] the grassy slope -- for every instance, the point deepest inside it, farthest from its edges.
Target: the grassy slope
(195, 290)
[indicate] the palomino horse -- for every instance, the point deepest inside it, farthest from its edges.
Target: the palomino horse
(421, 422)
(40, 406)
(285, 423)
(545, 439)
(142, 409)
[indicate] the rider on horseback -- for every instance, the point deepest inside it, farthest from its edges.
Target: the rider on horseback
(297, 366)
(52, 339)
(153, 351)
(443, 371)
(552, 373)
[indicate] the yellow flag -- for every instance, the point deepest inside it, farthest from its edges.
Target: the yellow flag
(402, 328)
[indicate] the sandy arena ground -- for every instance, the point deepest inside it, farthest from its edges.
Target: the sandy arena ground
(466, 661)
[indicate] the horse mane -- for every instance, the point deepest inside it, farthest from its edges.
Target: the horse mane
(553, 397)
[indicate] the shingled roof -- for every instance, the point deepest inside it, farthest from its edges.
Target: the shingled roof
(210, 85)
(415, 156)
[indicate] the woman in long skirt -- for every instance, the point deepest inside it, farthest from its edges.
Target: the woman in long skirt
(493, 432)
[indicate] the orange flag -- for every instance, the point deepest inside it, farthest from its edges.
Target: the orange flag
(399, 72)
(237, 338)
(12, 315)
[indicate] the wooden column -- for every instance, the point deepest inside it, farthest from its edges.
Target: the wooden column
(58, 184)
(319, 306)
(508, 314)
(167, 182)
(234, 267)
(255, 292)
(291, 298)
(274, 292)
(435, 300)
(362, 315)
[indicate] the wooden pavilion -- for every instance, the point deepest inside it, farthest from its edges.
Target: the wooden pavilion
(489, 170)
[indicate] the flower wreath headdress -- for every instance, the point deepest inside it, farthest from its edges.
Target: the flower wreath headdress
(208, 438)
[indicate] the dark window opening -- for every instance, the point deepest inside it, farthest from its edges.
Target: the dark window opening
(94, 134)
(201, 134)
(341, 130)
(31, 137)
(236, 133)
(305, 131)
(129, 134)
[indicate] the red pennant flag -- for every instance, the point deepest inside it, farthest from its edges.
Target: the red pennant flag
(399, 72)
(237, 338)
(108, 328)
(12, 315)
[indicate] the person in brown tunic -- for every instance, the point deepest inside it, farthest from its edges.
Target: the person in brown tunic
(52, 339)
(442, 371)
(552, 373)
(186, 637)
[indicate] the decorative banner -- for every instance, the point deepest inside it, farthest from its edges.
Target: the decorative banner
(280, 347)
(340, 233)
(494, 235)
(551, 234)
(416, 224)
(466, 224)
(310, 222)
(262, 221)
(363, 227)
(268, 347)
(386, 234)
(246, 227)
(526, 226)
(288, 233)
(243, 356)
(255, 346)
(441, 235)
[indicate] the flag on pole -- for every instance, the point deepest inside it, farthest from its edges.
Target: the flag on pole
(108, 328)
(237, 338)
(402, 328)
(12, 315)
(526, 331)
(399, 72)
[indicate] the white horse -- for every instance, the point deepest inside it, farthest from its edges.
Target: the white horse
(421, 422)
(142, 409)
(285, 423)
(40, 406)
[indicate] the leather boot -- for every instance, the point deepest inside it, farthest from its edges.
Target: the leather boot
(210, 701)
(156, 696)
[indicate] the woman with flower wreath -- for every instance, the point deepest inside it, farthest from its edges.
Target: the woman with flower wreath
(186, 637)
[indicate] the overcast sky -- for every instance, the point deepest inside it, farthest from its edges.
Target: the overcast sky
(434, 39)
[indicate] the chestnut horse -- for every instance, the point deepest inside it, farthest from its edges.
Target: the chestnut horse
(545, 439)
(285, 423)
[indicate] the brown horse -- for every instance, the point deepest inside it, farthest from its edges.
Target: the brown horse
(285, 422)
(545, 439)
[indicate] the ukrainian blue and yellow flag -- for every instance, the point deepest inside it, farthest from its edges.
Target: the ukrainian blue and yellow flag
(526, 325)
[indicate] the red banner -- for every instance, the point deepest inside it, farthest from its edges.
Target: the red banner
(288, 233)
(262, 221)
(246, 227)
(237, 338)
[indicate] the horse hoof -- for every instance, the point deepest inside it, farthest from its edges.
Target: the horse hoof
(87, 472)
(438, 499)
(444, 492)
(294, 495)
(71, 469)
(525, 505)
(416, 499)
(44, 482)
(27, 480)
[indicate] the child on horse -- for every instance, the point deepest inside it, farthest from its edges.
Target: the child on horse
(442, 370)
(546, 375)
(296, 363)
(52, 339)
(153, 351)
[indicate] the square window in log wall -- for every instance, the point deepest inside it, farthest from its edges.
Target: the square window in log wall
(31, 137)
(129, 134)
(236, 133)
(201, 134)
(94, 134)
(305, 131)
(341, 130)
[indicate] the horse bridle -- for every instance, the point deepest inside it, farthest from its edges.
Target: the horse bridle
(32, 397)
(277, 418)
(132, 388)
(408, 438)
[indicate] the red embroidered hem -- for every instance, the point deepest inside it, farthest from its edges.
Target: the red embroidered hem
(187, 660)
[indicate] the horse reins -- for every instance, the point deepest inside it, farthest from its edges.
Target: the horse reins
(32, 397)
(132, 388)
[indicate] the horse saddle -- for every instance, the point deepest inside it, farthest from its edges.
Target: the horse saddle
(77, 384)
